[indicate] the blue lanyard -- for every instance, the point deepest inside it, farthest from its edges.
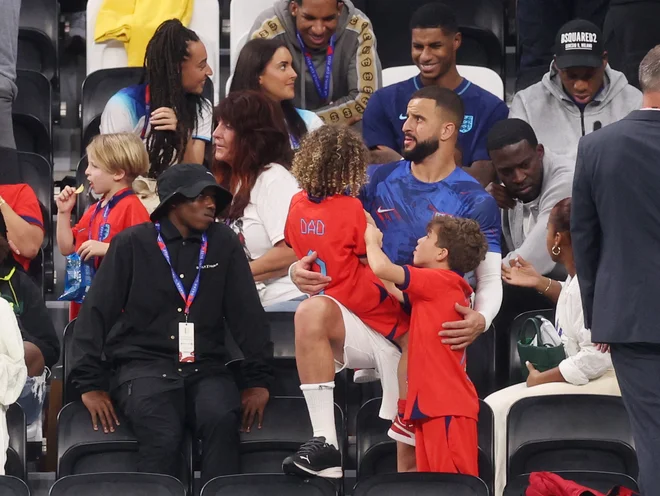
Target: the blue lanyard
(295, 144)
(187, 299)
(147, 111)
(323, 91)
(106, 213)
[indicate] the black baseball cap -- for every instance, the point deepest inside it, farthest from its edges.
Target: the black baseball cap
(187, 180)
(579, 43)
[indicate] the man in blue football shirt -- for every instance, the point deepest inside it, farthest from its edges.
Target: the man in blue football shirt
(435, 41)
(402, 198)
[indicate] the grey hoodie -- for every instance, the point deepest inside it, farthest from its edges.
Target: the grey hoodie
(356, 70)
(557, 120)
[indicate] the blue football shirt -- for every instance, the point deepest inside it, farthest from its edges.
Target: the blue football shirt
(386, 112)
(402, 206)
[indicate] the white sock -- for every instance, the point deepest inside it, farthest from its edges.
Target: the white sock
(321, 406)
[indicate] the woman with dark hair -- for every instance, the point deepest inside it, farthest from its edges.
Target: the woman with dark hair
(167, 110)
(587, 368)
(252, 160)
(266, 66)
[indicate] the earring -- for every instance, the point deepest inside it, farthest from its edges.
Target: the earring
(557, 252)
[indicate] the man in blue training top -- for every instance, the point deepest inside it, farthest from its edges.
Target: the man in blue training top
(402, 198)
(435, 41)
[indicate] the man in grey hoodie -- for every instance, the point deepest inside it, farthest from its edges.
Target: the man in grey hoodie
(334, 53)
(9, 13)
(580, 93)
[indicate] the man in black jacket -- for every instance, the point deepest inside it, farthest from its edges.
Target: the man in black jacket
(615, 229)
(156, 310)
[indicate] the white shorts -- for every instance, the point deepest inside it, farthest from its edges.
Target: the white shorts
(364, 348)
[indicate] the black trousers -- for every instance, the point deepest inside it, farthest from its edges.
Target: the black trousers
(538, 22)
(159, 410)
(637, 368)
(630, 31)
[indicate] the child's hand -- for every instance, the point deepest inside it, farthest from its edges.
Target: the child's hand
(92, 248)
(373, 236)
(66, 200)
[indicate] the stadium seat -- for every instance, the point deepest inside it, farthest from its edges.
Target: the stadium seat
(82, 450)
(514, 366)
(16, 464)
(286, 426)
(282, 333)
(242, 16)
(98, 87)
(112, 484)
(69, 392)
(10, 172)
(481, 362)
(205, 22)
(31, 135)
(600, 481)
(13, 486)
(486, 436)
(480, 21)
(376, 452)
(34, 97)
(569, 432)
(36, 171)
(267, 485)
(421, 484)
(481, 76)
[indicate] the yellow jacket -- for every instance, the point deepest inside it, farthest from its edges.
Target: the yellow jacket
(134, 22)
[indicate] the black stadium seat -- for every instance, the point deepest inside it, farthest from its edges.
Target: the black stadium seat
(600, 481)
(69, 392)
(421, 484)
(569, 432)
(38, 37)
(100, 86)
(13, 486)
(16, 464)
(34, 97)
(376, 452)
(267, 485)
(31, 135)
(36, 171)
(97, 89)
(515, 371)
(113, 484)
(286, 426)
(481, 22)
(82, 450)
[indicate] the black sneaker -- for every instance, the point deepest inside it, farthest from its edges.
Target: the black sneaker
(315, 457)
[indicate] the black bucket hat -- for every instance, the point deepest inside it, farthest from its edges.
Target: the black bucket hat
(187, 180)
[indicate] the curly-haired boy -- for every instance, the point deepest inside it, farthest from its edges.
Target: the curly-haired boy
(441, 399)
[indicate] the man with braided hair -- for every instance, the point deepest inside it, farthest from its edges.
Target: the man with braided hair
(167, 109)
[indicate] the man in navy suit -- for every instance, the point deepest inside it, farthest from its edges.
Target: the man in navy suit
(615, 229)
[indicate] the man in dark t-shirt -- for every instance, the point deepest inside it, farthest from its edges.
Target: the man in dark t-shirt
(435, 40)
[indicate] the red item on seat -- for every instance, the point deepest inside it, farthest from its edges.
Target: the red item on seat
(549, 484)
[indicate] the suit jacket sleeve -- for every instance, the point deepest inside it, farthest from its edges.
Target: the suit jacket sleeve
(585, 230)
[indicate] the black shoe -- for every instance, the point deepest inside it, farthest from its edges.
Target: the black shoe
(315, 457)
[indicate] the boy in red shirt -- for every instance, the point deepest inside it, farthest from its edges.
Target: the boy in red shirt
(441, 398)
(327, 218)
(115, 160)
(25, 224)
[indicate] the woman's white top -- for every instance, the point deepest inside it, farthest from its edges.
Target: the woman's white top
(13, 371)
(262, 226)
(584, 362)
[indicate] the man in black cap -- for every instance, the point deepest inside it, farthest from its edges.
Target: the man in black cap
(154, 317)
(581, 93)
